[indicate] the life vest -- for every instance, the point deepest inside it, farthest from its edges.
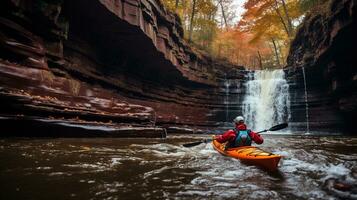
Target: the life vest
(242, 139)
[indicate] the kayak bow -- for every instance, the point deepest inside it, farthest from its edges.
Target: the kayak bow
(250, 155)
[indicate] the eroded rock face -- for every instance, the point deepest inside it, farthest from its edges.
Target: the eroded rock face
(325, 45)
(120, 64)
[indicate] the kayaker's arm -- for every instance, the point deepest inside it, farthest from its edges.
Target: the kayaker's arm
(256, 137)
(227, 136)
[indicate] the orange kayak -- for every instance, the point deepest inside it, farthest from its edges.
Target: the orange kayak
(250, 155)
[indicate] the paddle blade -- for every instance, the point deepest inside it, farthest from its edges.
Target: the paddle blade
(193, 144)
(278, 127)
(197, 143)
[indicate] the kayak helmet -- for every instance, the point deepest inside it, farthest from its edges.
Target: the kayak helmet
(238, 119)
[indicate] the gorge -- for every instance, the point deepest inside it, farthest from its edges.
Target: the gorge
(113, 99)
(123, 69)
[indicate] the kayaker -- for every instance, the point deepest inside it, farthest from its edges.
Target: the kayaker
(240, 136)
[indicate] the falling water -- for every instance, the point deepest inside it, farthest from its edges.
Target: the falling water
(266, 102)
(306, 104)
(227, 84)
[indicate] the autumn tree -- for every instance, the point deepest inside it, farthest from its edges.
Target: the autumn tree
(226, 13)
(260, 40)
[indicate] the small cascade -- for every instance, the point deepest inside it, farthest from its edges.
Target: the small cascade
(267, 101)
(226, 101)
(306, 103)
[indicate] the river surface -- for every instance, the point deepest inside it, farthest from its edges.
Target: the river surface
(104, 168)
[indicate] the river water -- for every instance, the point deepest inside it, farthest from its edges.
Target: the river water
(163, 169)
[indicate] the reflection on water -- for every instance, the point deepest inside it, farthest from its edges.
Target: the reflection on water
(163, 169)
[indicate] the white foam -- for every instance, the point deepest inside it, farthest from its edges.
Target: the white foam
(293, 165)
(59, 174)
(259, 194)
(203, 193)
(337, 170)
(199, 181)
(98, 167)
(234, 173)
(153, 172)
(44, 168)
(116, 161)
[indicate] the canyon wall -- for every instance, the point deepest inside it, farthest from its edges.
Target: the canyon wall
(325, 46)
(121, 68)
(105, 68)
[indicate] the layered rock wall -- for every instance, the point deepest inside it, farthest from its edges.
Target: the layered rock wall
(118, 67)
(325, 46)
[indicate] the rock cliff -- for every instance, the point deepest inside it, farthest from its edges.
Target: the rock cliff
(104, 68)
(325, 46)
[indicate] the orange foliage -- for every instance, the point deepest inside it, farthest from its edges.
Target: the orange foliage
(235, 46)
(260, 40)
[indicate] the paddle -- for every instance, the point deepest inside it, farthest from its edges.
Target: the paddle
(274, 128)
(197, 143)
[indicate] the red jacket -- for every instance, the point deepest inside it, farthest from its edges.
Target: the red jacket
(230, 135)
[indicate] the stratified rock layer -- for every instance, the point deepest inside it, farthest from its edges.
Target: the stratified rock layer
(325, 45)
(124, 65)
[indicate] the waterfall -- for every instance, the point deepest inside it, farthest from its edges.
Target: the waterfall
(306, 104)
(266, 102)
(227, 84)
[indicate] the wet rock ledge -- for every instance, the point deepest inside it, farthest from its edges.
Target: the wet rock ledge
(116, 68)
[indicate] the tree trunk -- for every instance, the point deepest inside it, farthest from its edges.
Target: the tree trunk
(283, 22)
(237, 56)
(290, 26)
(281, 53)
(176, 4)
(276, 52)
(219, 50)
(282, 19)
(191, 21)
(223, 14)
(260, 60)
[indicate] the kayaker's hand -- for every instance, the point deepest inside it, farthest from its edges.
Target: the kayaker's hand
(213, 137)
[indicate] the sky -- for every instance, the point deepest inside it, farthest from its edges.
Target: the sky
(238, 5)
